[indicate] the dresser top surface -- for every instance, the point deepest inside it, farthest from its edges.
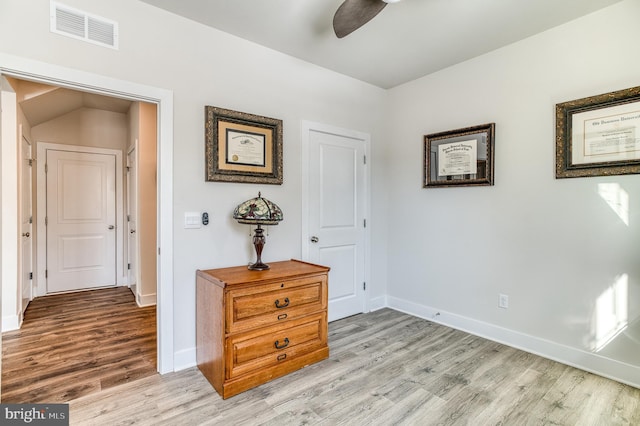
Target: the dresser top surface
(278, 270)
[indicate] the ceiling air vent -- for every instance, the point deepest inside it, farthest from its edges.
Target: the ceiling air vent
(80, 25)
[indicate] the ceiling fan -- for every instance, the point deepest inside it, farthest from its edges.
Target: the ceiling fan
(352, 14)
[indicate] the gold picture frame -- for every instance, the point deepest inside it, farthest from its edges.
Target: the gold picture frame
(462, 157)
(599, 135)
(242, 147)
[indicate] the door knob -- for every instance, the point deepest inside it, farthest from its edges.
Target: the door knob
(314, 239)
(26, 234)
(112, 227)
(133, 231)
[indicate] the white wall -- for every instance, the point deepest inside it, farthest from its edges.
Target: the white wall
(555, 247)
(202, 67)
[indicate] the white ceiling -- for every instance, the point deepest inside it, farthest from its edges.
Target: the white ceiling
(405, 41)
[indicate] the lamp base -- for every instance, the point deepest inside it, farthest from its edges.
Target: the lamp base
(258, 266)
(258, 243)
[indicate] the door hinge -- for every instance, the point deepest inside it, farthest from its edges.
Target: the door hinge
(30, 275)
(46, 273)
(364, 222)
(30, 219)
(46, 168)
(128, 266)
(30, 162)
(364, 285)
(128, 218)
(46, 220)
(364, 159)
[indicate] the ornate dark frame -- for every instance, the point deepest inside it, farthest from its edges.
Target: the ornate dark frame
(484, 133)
(564, 142)
(245, 174)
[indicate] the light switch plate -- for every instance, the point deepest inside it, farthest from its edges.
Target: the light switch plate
(192, 220)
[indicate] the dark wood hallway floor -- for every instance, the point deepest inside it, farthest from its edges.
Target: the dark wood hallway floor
(75, 344)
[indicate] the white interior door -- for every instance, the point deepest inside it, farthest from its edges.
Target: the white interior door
(336, 207)
(81, 220)
(26, 191)
(132, 211)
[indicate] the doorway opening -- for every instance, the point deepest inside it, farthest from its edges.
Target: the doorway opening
(79, 238)
(32, 71)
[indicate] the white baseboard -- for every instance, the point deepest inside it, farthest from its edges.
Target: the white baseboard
(146, 300)
(593, 363)
(378, 303)
(184, 359)
(10, 323)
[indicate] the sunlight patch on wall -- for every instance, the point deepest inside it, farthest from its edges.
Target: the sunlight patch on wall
(611, 313)
(617, 198)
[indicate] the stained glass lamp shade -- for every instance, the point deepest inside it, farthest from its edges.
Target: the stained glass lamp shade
(258, 211)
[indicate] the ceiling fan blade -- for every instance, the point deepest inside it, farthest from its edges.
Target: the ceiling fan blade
(352, 14)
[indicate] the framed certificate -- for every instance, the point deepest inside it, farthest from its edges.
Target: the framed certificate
(462, 157)
(242, 147)
(599, 135)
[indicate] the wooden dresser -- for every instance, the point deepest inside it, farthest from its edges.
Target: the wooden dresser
(254, 326)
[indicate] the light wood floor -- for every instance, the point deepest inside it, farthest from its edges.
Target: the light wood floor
(385, 368)
(76, 344)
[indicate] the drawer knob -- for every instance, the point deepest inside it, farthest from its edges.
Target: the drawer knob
(282, 316)
(284, 344)
(284, 305)
(282, 357)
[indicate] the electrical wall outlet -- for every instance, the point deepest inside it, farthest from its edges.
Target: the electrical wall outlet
(503, 301)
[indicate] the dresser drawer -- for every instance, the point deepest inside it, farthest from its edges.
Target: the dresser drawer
(274, 303)
(251, 351)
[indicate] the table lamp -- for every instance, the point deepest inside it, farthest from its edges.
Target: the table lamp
(258, 211)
